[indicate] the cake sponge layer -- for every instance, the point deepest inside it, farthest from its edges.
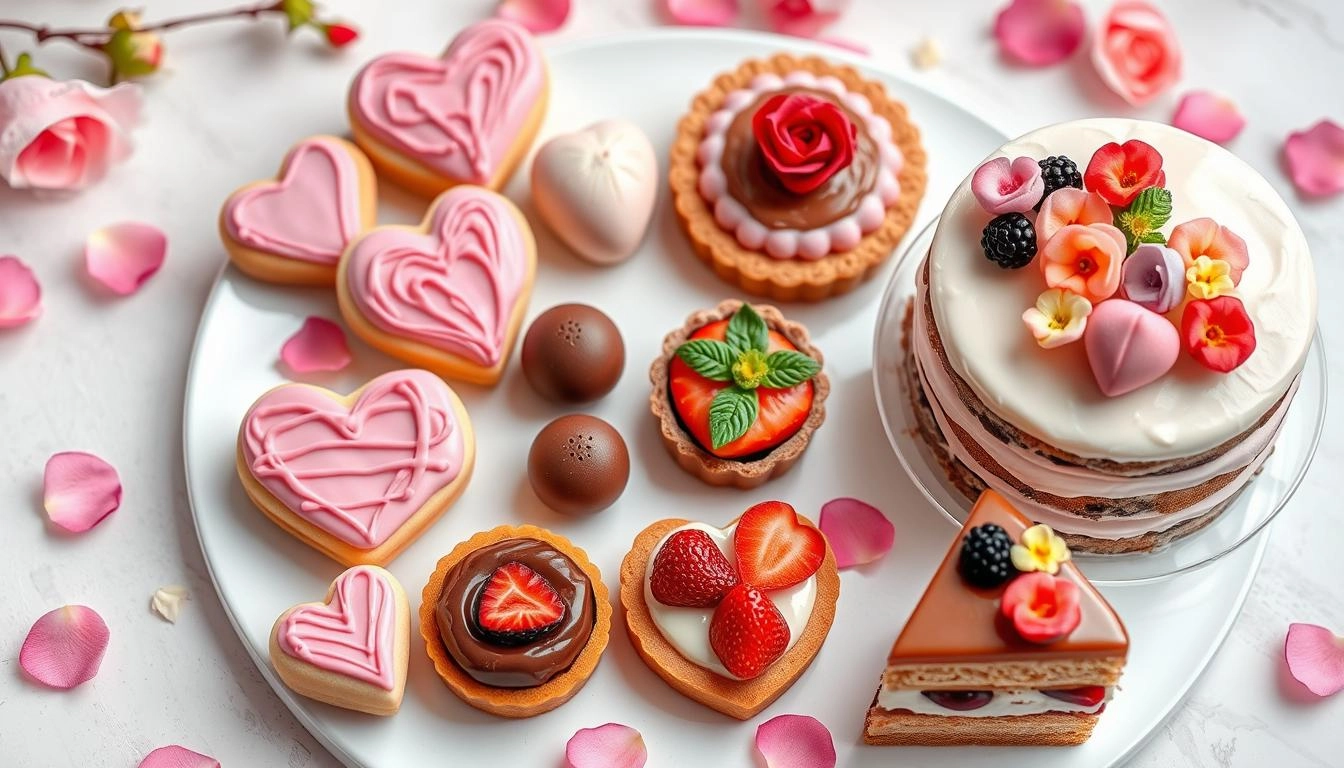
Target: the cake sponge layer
(905, 729)
(974, 676)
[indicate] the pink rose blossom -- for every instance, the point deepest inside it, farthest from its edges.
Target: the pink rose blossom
(63, 135)
(1006, 186)
(1136, 52)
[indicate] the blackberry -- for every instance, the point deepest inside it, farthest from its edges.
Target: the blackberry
(986, 556)
(1058, 172)
(1009, 241)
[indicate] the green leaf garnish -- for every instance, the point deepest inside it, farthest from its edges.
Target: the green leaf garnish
(1144, 218)
(731, 414)
(746, 330)
(710, 358)
(787, 368)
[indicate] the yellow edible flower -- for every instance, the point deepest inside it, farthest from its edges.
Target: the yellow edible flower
(1209, 278)
(1058, 318)
(1041, 549)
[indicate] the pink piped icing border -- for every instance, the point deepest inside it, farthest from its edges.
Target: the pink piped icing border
(353, 634)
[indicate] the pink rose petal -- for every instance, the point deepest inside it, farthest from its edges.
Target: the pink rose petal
(65, 647)
(858, 532)
(537, 16)
(318, 346)
(1039, 32)
(123, 256)
(802, 18)
(702, 13)
(795, 741)
(1315, 159)
(1315, 657)
(1209, 116)
(20, 295)
(177, 757)
(607, 746)
(79, 490)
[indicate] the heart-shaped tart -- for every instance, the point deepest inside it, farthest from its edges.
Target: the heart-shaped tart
(467, 117)
(596, 188)
(293, 229)
(350, 650)
(357, 477)
(448, 295)
(730, 617)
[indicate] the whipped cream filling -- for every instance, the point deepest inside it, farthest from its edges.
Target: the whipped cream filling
(1006, 703)
(687, 629)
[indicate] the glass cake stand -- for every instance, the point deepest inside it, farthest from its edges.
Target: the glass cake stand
(1266, 495)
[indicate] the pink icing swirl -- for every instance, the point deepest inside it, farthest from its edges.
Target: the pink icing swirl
(358, 473)
(353, 634)
(458, 114)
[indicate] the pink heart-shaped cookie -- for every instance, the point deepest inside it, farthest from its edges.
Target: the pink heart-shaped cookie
(448, 295)
(1128, 346)
(357, 477)
(465, 117)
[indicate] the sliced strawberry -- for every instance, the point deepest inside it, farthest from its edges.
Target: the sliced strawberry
(1087, 696)
(782, 412)
(775, 549)
(690, 571)
(747, 632)
(517, 606)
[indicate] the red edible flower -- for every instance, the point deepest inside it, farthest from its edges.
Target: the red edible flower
(341, 35)
(1043, 608)
(1218, 332)
(1119, 172)
(805, 140)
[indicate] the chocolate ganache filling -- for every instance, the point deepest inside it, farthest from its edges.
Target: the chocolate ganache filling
(750, 182)
(514, 666)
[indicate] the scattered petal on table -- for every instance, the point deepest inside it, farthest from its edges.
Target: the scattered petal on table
(1315, 657)
(65, 647)
(607, 746)
(858, 532)
(802, 18)
(537, 15)
(123, 256)
(20, 295)
(1315, 159)
(703, 13)
(167, 602)
(795, 741)
(1039, 32)
(177, 757)
(79, 490)
(927, 55)
(317, 346)
(1208, 115)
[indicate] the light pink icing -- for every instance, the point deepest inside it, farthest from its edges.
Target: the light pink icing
(353, 634)
(453, 286)
(460, 113)
(309, 214)
(358, 473)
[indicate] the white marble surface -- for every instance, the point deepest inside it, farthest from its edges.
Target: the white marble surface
(106, 375)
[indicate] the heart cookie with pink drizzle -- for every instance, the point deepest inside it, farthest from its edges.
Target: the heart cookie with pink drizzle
(467, 117)
(448, 295)
(350, 650)
(357, 477)
(292, 229)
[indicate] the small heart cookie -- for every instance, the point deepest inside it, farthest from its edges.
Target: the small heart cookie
(448, 295)
(357, 477)
(467, 117)
(350, 650)
(293, 229)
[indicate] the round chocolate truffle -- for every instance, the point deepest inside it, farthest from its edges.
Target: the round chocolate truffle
(573, 353)
(578, 464)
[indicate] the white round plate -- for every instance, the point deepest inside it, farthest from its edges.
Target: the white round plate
(649, 78)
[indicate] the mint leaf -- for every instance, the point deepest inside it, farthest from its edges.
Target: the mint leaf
(709, 358)
(1145, 216)
(1154, 237)
(788, 368)
(731, 414)
(746, 330)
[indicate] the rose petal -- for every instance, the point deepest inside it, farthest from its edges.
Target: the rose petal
(20, 295)
(1315, 658)
(79, 490)
(1315, 159)
(1209, 116)
(858, 532)
(536, 15)
(795, 741)
(318, 346)
(1039, 32)
(177, 757)
(65, 647)
(167, 602)
(607, 746)
(123, 256)
(702, 13)
(802, 18)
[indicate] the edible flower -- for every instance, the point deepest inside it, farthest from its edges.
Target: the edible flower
(1041, 549)
(1008, 186)
(805, 140)
(1059, 317)
(1218, 332)
(1204, 237)
(1209, 278)
(1135, 51)
(1043, 608)
(1085, 259)
(1154, 278)
(1119, 172)
(1070, 205)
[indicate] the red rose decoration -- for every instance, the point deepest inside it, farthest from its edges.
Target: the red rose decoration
(805, 140)
(1218, 332)
(1119, 172)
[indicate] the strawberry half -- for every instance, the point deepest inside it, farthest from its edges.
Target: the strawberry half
(782, 412)
(747, 632)
(690, 571)
(775, 549)
(1087, 696)
(517, 606)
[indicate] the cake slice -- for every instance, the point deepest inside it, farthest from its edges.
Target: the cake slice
(965, 670)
